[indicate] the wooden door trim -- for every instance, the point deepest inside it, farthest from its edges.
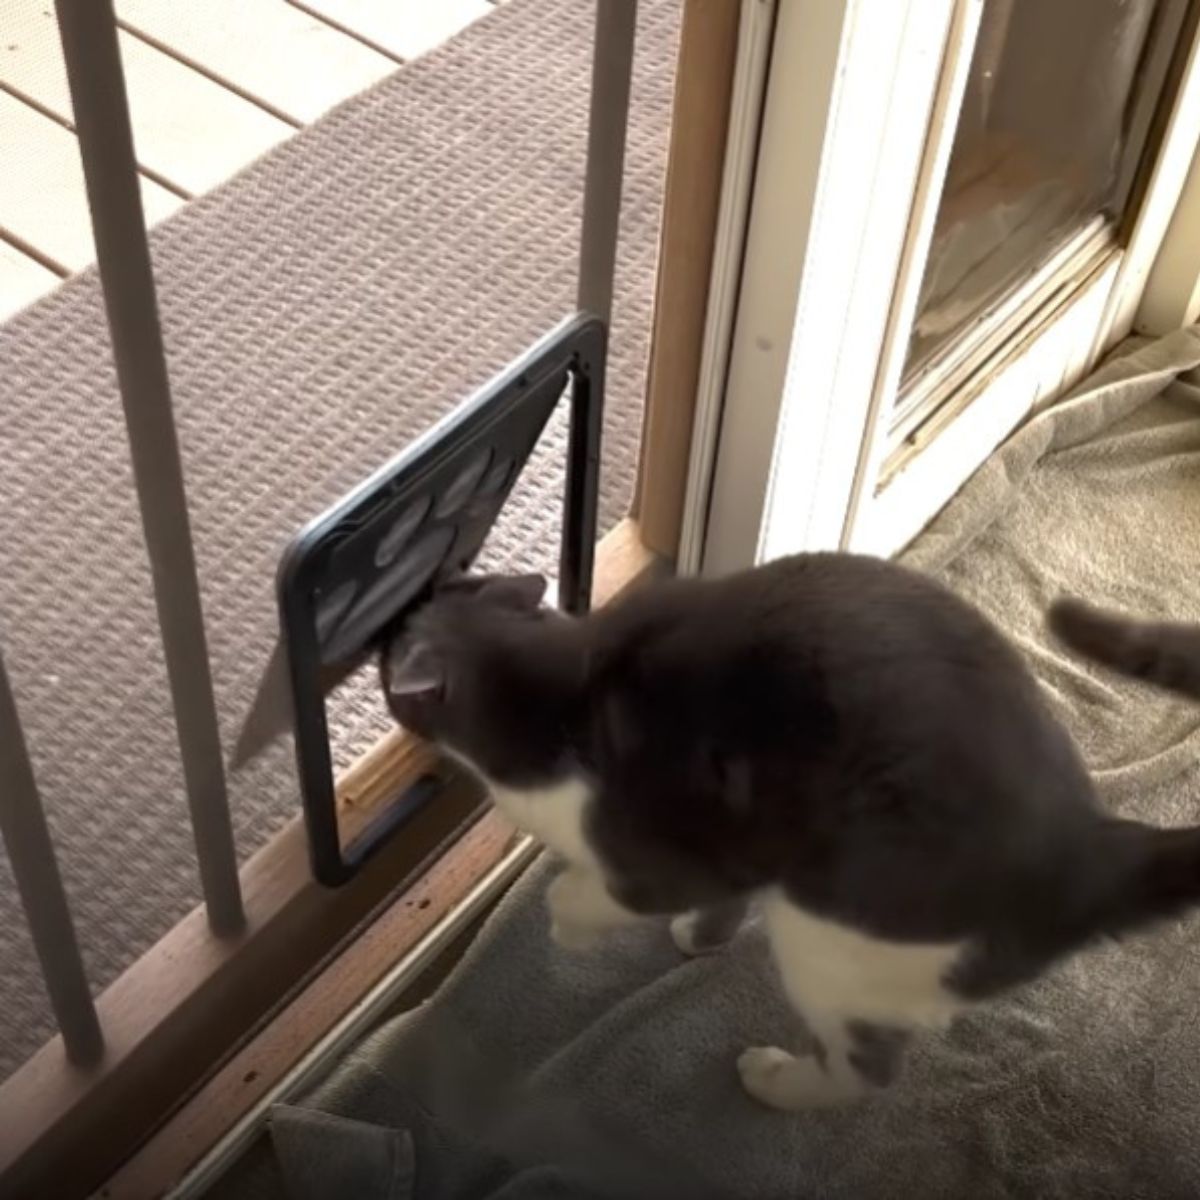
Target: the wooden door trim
(708, 47)
(253, 1074)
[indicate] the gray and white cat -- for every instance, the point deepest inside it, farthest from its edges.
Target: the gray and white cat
(836, 739)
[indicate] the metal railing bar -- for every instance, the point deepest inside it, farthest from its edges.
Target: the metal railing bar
(612, 70)
(39, 883)
(89, 39)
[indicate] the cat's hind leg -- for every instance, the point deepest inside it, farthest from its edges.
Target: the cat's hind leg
(861, 997)
(704, 930)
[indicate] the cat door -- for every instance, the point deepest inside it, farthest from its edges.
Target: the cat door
(353, 576)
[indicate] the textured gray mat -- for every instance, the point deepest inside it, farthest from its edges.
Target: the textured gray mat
(535, 1073)
(319, 310)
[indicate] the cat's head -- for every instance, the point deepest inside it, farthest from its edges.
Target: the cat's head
(489, 673)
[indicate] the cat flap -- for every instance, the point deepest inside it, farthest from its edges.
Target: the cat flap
(350, 582)
(271, 713)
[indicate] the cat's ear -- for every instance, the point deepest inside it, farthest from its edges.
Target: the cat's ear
(522, 592)
(412, 668)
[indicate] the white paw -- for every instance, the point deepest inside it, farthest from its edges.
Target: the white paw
(765, 1072)
(683, 934)
(781, 1080)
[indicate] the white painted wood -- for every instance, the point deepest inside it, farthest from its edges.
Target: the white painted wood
(405, 28)
(833, 478)
(871, 436)
(1033, 369)
(42, 199)
(1081, 356)
(1168, 177)
(757, 20)
(805, 57)
(1033, 372)
(1171, 298)
(188, 130)
(961, 360)
(876, 142)
(866, 76)
(1071, 327)
(277, 53)
(22, 280)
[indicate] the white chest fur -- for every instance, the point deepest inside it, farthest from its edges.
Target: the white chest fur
(830, 968)
(555, 815)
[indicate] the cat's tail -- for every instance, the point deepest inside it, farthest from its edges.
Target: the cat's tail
(1156, 875)
(1161, 653)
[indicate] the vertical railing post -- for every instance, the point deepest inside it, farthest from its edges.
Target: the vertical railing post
(612, 70)
(89, 40)
(608, 118)
(31, 856)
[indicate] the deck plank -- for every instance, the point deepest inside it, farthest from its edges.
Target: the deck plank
(22, 280)
(189, 130)
(309, 68)
(42, 199)
(405, 28)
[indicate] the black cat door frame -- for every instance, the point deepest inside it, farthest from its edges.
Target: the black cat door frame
(356, 573)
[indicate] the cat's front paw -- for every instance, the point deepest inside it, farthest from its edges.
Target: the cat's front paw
(766, 1073)
(689, 935)
(781, 1080)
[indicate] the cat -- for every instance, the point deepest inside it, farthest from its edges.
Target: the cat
(1163, 653)
(837, 739)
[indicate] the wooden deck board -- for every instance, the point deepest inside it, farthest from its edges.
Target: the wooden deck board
(307, 68)
(42, 198)
(405, 28)
(188, 130)
(22, 280)
(212, 84)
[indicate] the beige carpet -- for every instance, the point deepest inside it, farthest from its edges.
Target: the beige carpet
(320, 309)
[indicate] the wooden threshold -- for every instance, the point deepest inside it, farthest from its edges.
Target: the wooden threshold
(179, 1013)
(691, 203)
(251, 1075)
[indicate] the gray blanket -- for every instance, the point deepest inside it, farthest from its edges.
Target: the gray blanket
(534, 1073)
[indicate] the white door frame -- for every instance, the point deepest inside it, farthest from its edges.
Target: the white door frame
(755, 32)
(859, 114)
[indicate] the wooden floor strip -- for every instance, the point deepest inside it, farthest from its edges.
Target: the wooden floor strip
(307, 68)
(404, 28)
(188, 130)
(42, 200)
(212, 86)
(22, 280)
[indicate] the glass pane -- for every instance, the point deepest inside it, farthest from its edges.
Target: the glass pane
(1043, 145)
